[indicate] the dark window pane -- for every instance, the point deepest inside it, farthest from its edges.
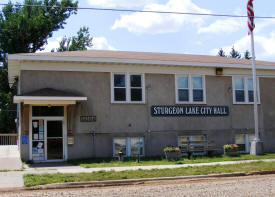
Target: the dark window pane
(135, 143)
(239, 94)
(197, 95)
(136, 94)
(119, 80)
(120, 94)
(135, 80)
(47, 111)
(119, 145)
(55, 148)
(250, 96)
(183, 95)
(54, 129)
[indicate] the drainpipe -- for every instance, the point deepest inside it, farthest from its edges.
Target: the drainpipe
(94, 146)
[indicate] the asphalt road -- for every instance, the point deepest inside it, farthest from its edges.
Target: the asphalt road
(216, 187)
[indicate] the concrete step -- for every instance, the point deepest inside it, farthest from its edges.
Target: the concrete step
(10, 158)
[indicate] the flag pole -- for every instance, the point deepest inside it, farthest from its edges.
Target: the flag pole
(257, 146)
(256, 122)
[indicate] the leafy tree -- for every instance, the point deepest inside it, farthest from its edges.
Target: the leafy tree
(234, 53)
(247, 55)
(25, 29)
(81, 42)
(221, 53)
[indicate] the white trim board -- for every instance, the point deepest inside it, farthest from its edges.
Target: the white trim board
(18, 99)
(134, 61)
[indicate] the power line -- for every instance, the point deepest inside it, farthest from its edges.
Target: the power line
(140, 11)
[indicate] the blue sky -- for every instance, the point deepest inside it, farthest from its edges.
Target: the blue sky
(173, 33)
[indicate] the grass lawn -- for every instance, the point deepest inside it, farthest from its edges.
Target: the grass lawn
(112, 162)
(41, 179)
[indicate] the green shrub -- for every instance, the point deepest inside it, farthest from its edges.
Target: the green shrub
(230, 146)
(171, 149)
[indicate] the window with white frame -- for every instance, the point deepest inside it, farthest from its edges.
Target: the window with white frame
(244, 142)
(243, 90)
(127, 87)
(190, 89)
(130, 146)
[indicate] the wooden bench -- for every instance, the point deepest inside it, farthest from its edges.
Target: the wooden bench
(203, 147)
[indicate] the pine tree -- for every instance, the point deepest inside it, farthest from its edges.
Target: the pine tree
(221, 53)
(234, 53)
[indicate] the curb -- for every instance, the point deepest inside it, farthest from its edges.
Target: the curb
(130, 181)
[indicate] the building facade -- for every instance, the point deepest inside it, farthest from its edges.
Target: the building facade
(97, 103)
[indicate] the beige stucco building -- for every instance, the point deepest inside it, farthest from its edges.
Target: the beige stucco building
(95, 103)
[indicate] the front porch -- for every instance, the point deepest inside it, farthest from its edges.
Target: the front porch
(44, 124)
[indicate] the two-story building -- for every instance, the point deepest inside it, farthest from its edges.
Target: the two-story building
(87, 104)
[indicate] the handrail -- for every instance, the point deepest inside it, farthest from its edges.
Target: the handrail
(9, 134)
(8, 139)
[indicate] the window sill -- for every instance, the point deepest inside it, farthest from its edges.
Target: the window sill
(191, 103)
(123, 102)
(244, 103)
(126, 156)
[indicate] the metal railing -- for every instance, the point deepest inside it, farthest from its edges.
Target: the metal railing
(8, 139)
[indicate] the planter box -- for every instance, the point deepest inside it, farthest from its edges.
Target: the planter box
(231, 152)
(172, 155)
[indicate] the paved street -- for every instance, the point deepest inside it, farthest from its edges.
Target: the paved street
(237, 186)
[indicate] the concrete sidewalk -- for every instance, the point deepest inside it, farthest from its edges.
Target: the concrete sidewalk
(15, 178)
(78, 169)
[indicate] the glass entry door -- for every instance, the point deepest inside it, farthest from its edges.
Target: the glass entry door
(47, 133)
(54, 139)
(47, 140)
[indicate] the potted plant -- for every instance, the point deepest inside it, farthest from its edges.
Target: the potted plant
(231, 149)
(172, 153)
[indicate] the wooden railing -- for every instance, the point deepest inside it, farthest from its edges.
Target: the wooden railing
(8, 139)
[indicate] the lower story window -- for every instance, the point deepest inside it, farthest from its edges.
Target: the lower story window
(130, 146)
(244, 142)
(196, 143)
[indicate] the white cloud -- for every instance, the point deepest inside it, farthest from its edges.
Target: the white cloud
(53, 43)
(229, 25)
(101, 43)
(225, 25)
(154, 23)
(264, 46)
(119, 3)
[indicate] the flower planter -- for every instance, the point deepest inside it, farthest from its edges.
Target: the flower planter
(231, 152)
(172, 155)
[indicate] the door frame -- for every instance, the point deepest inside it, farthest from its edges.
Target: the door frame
(46, 118)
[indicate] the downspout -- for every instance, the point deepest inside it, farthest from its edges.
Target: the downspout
(94, 145)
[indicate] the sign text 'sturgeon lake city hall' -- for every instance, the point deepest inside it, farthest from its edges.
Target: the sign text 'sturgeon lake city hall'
(189, 111)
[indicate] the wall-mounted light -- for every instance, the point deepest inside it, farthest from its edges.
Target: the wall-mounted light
(219, 71)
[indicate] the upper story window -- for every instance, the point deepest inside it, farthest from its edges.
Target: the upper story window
(190, 89)
(243, 90)
(127, 88)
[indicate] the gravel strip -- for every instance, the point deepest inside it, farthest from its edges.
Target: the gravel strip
(234, 186)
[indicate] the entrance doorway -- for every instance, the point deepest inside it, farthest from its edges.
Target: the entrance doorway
(48, 134)
(54, 140)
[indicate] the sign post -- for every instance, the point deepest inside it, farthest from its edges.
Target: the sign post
(138, 148)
